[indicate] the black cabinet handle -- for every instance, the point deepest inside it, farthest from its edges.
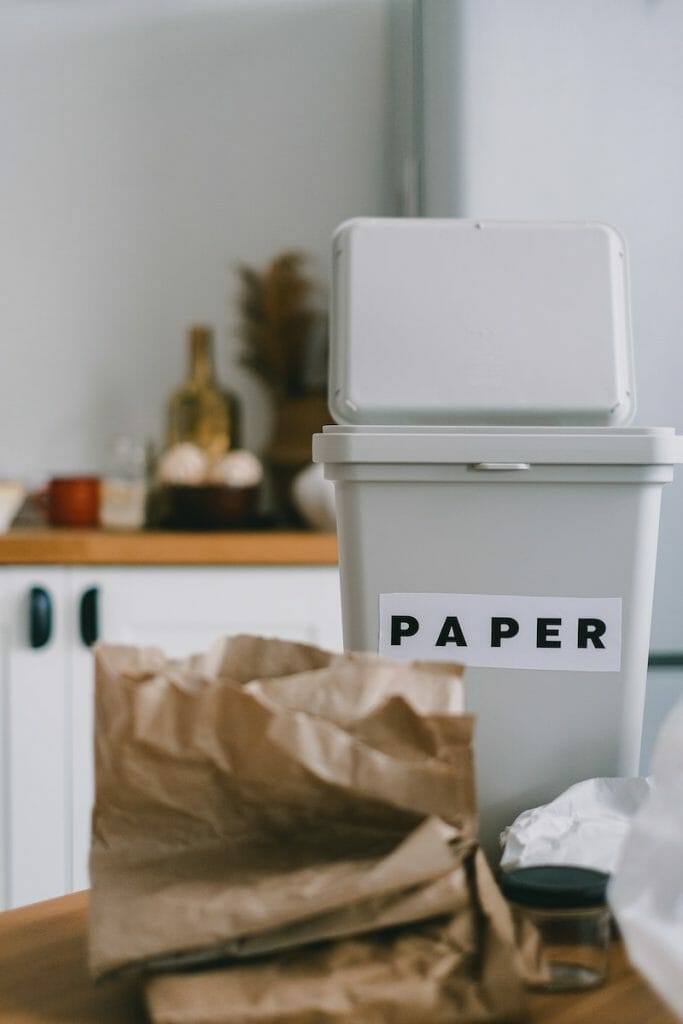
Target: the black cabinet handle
(88, 616)
(39, 617)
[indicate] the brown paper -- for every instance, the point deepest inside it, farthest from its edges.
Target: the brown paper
(422, 878)
(453, 969)
(266, 794)
(307, 819)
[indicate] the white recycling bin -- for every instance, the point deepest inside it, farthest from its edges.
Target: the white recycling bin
(492, 506)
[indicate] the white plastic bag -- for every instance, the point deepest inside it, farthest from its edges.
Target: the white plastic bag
(646, 891)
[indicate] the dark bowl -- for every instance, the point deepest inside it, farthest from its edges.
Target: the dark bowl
(209, 506)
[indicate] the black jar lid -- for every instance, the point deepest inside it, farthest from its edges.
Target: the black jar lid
(555, 886)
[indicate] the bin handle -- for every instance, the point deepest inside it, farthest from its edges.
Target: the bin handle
(500, 466)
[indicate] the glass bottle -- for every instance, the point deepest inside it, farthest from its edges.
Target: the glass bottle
(200, 411)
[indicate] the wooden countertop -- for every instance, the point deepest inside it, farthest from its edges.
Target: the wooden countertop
(102, 547)
(44, 979)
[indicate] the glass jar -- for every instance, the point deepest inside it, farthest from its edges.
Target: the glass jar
(567, 905)
(124, 486)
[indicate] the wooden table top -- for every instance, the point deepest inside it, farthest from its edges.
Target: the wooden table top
(44, 979)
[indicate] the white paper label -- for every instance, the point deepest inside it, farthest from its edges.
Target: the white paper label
(570, 634)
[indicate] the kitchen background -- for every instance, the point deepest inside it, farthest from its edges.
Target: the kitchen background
(571, 110)
(149, 148)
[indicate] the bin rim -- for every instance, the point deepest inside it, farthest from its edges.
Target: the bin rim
(474, 444)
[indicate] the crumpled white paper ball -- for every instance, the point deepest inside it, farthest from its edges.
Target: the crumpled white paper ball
(585, 826)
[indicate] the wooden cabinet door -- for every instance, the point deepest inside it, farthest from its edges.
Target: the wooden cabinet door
(34, 735)
(184, 610)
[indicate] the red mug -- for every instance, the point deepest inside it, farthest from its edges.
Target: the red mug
(73, 501)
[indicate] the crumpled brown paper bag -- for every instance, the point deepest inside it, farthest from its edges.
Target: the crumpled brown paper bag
(269, 795)
(455, 968)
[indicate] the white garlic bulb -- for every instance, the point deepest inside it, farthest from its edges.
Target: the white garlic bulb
(236, 469)
(184, 463)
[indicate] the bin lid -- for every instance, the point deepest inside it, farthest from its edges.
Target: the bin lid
(468, 322)
(499, 447)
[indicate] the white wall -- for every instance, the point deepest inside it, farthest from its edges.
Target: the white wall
(572, 109)
(146, 149)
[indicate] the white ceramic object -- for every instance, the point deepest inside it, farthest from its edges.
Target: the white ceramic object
(313, 498)
(12, 494)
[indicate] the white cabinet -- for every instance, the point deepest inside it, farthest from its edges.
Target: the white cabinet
(182, 609)
(34, 738)
(46, 720)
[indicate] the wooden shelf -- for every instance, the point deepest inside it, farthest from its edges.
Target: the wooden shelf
(100, 547)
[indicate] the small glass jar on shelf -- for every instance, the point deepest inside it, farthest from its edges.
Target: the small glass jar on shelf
(123, 490)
